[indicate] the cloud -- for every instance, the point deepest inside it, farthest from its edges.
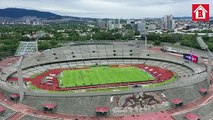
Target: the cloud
(108, 8)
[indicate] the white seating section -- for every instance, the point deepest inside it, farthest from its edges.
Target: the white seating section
(180, 70)
(115, 50)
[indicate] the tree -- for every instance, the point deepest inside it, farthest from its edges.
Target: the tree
(44, 45)
(156, 42)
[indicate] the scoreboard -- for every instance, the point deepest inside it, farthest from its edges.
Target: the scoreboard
(190, 57)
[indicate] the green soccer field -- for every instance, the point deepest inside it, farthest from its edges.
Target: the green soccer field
(102, 75)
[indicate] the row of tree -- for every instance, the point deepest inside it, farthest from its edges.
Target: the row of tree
(10, 35)
(184, 39)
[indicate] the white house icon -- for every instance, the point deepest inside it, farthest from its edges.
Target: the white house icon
(200, 12)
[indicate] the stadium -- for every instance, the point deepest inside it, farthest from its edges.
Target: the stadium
(108, 80)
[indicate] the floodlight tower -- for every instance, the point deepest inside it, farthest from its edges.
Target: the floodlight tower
(209, 67)
(26, 49)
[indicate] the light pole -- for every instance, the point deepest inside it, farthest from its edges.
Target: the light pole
(37, 36)
(20, 78)
(209, 67)
(141, 27)
(145, 37)
(144, 33)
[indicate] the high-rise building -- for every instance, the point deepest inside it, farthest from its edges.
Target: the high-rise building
(167, 22)
(110, 24)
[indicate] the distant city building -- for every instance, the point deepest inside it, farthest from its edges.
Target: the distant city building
(37, 23)
(114, 24)
(167, 22)
(110, 24)
(130, 21)
(141, 27)
(118, 24)
(27, 21)
(102, 24)
(152, 27)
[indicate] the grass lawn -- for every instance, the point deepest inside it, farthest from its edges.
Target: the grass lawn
(102, 75)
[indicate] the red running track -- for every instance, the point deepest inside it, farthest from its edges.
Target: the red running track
(160, 75)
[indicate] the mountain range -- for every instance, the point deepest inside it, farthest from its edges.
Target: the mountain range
(18, 12)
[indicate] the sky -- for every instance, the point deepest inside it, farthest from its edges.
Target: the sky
(109, 8)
